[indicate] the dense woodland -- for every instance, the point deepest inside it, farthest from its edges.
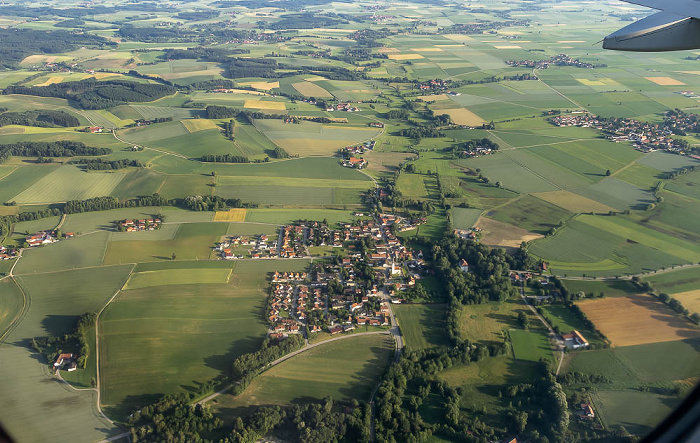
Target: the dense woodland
(44, 118)
(18, 44)
(97, 164)
(93, 94)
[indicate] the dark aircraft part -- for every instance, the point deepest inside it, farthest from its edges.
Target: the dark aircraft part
(662, 31)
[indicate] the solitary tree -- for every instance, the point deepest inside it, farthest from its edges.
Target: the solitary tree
(173, 257)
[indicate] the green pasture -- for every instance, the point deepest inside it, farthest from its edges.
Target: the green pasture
(242, 228)
(642, 176)
(422, 326)
(681, 280)
(562, 317)
(193, 241)
(687, 185)
(490, 321)
(465, 218)
(11, 303)
(531, 345)
(181, 185)
(138, 183)
(501, 168)
(22, 178)
(412, 185)
(289, 195)
(611, 288)
(168, 277)
(482, 382)
(87, 222)
(345, 369)
(530, 213)
(638, 412)
(77, 252)
(69, 183)
(166, 339)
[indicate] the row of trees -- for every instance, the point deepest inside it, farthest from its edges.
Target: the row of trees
(224, 158)
(98, 164)
(60, 148)
(246, 367)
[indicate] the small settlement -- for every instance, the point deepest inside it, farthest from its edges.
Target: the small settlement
(150, 224)
(343, 293)
(42, 238)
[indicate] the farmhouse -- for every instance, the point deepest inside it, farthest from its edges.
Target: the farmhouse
(41, 238)
(150, 224)
(354, 162)
(586, 412)
(574, 340)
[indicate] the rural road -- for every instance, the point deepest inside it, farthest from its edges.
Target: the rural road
(631, 276)
(292, 354)
(560, 345)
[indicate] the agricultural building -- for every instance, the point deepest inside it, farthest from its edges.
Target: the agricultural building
(574, 340)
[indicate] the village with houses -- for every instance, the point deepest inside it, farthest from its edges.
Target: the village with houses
(645, 137)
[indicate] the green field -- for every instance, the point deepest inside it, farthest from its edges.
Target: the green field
(638, 412)
(78, 252)
(56, 302)
(490, 321)
(464, 218)
(563, 318)
(673, 282)
(69, 183)
(346, 369)
(530, 213)
(22, 178)
(166, 339)
(11, 304)
(422, 326)
(193, 241)
(287, 216)
(614, 288)
(531, 345)
(168, 277)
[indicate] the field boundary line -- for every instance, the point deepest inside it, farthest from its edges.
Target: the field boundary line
(97, 344)
(26, 304)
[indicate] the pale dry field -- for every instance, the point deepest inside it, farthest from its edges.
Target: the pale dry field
(198, 124)
(665, 81)
(259, 104)
(262, 85)
(689, 299)
(496, 233)
(462, 116)
(405, 56)
(232, 215)
(637, 320)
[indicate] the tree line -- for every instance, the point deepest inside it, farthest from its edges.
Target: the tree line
(93, 94)
(224, 158)
(60, 148)
(43, 118)
(98, 164)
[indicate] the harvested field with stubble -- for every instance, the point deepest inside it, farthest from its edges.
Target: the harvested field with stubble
(267, 105)
(310, 89)
(462, 116)
(495, 233)
(637, 320)
(198, 124)
(232, 215)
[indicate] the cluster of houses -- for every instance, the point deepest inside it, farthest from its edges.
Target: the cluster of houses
(92, 129)
(437, 85)
(42, 238)
(354, 162)
(477, 151)
(557, 60)
(257, 246)
(645, 137)
(346, 107)
(145, 224)
(7, 253)
(293, 241)
(360, 149)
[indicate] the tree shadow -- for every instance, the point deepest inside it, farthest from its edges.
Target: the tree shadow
(130, 404)
(58, 325)
(222, 362)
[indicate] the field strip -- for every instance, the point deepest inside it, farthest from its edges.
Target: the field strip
(97, 344)
(292, 354)
(249, 180)
(26, 302)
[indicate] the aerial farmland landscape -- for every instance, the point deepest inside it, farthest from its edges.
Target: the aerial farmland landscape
(344, 221)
